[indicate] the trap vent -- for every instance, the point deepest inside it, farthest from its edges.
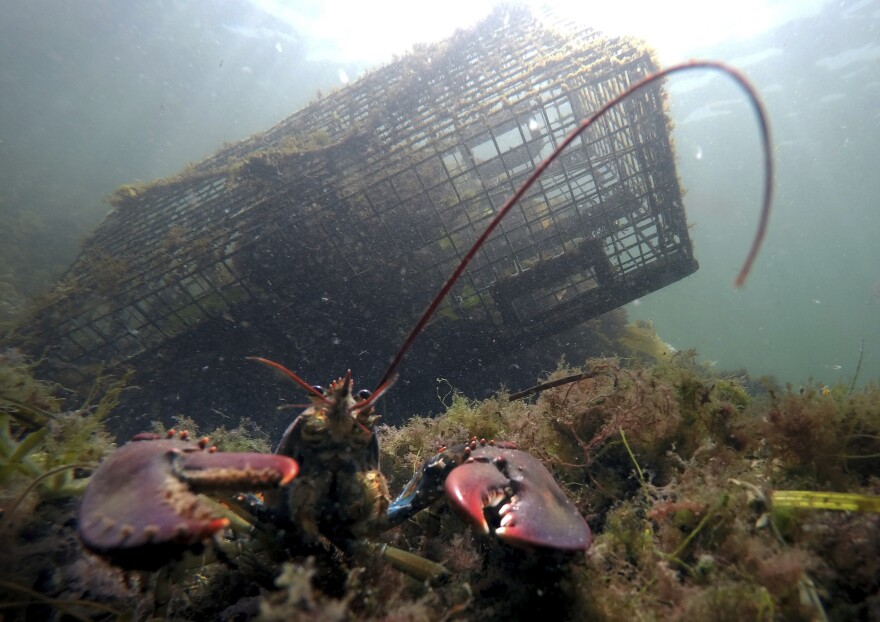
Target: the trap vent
(366, 199)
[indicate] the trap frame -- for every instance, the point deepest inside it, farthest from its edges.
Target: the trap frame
(369, 196)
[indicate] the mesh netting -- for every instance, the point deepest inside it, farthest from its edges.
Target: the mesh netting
(383, 185)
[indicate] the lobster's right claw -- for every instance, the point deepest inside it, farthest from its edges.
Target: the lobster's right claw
(140, 507)
(533, 511)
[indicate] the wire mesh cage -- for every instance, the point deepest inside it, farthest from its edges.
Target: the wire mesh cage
(369, 196)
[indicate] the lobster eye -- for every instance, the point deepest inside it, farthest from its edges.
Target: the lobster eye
(364, 394)
(319, 389)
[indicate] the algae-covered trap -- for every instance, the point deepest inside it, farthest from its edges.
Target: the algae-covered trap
(323, 238)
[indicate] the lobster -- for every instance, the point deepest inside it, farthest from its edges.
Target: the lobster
(323, 481)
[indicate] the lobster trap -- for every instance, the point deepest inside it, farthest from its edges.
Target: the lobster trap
(341, 222)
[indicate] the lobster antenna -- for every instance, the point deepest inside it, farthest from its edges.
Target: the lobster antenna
(305, 385)
(767, 199)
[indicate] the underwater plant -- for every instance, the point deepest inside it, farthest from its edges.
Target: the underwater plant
(700, 495)
(45, 454)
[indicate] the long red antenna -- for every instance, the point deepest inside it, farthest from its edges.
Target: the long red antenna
(764, 127)
(305, 385)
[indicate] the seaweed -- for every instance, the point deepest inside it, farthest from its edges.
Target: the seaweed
(47, 453)
(47, 459)
(668, 462)
(706, 501)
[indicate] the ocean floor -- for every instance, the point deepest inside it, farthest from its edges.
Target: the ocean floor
(709, 498)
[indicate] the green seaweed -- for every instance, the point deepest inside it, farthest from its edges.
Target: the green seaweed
(246, 436)
(14, 453)
(45, 456)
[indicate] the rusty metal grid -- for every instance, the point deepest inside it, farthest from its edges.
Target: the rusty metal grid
(390, 180)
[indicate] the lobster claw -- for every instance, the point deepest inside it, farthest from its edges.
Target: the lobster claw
(533, 511)
(140, 507)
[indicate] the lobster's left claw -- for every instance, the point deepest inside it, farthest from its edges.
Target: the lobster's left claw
(534, 512)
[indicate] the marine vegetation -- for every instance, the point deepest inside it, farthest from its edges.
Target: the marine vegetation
(640, 338)
(707, 500)
(45, 454)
